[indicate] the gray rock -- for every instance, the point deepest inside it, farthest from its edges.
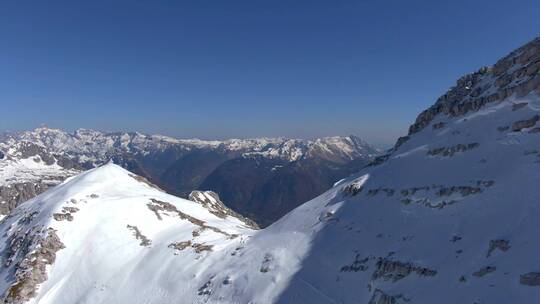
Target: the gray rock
(63, 217)
(523, 124)
(380, 297)
(211, 201)
(484, 270)
(14, 194)
(500, 244)
(468, 93)
(450, 151)
(517, 106)
(357, 265)
(390, 270)
(144, 241)
(31, 270)
(530, 279)
(161, 208)
(438, 125)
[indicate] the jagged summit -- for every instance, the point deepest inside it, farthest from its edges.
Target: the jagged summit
(515, 74)
(92, 145)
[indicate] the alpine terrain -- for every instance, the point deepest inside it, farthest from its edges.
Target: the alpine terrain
(262, 178)
(449, 215)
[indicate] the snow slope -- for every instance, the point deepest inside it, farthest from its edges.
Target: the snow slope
(113, 230)
(449, 215)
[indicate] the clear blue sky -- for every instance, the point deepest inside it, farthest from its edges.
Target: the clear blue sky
(218, 69)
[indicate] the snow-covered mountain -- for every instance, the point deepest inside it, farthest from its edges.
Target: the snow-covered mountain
(27, 170)
(95, 148)
(449, 215)
(104, 227)
(180, 166)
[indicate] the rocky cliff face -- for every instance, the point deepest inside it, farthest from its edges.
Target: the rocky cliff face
(514, 75)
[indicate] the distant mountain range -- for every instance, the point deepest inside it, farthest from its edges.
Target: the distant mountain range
(261, 178)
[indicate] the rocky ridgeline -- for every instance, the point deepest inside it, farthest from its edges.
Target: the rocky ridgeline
(210, 200)
(517, 73)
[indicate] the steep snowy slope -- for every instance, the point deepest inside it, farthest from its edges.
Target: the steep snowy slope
(450, 215)
(109, 235)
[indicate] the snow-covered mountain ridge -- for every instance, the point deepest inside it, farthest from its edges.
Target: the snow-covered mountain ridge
(95, 147)
(77, 225)
(32, 161)
(449, 215)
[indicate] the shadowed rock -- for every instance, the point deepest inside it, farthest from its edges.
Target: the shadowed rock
(484, 270)
(530, 279)
(500, 244)
(524, 124)
(390, 270)
(31, 270)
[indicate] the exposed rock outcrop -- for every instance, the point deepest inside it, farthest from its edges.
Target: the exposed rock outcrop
(34, 253)
(380, 297)
(390, 270)
(530, 279)
(527, 123)
(144, 241)
(499, 244)
(450, 151)
(211, 201)
(13, 194)
(517, 73)
(484, 271)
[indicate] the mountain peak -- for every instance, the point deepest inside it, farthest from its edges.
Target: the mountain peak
(516, 74)
(109, 212)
